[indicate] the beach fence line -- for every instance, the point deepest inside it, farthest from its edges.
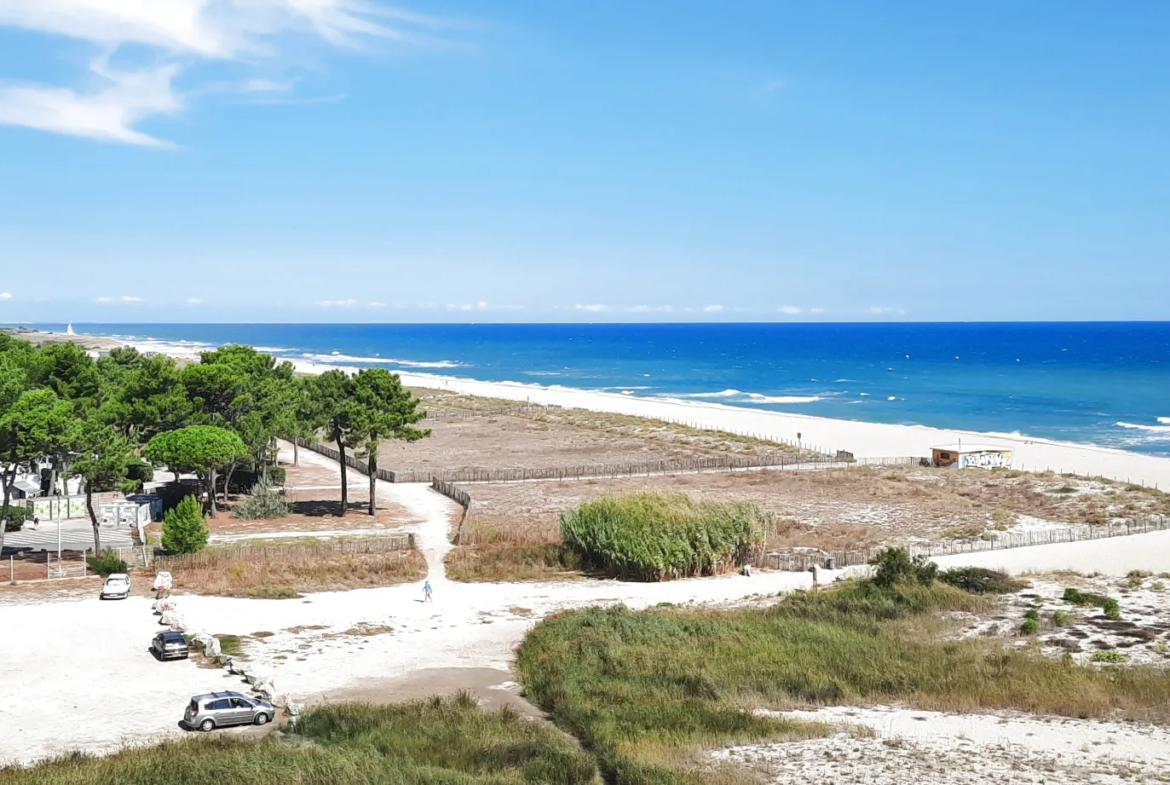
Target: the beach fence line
(215, 556)
(460, 497)
(528, 409)
(34, 566)
(802, 561)
(697, 464)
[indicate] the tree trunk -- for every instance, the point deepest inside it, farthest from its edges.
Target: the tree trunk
(227, 481)
(97, 535)
(296, 454)
(8, 478)
(211, 491)
(344, 471)
(372, 466)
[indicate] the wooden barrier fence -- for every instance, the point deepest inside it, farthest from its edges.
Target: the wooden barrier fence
(802, 561)
(697, 464)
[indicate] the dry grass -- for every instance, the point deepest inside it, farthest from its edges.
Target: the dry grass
(837, 508)
(296, 571)
(483, 433)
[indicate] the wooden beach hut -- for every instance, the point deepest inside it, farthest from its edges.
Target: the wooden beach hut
(972, 456)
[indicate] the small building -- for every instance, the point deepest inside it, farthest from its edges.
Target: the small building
(972, 456)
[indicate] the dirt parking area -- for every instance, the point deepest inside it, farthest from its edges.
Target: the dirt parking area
(80, 676)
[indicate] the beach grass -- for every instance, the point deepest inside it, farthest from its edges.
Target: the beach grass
(435, 742)
(648, 691)
(287, 572)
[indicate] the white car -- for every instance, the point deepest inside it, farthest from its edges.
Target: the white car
(117, 585)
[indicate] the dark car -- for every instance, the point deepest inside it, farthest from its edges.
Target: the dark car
(170, 646)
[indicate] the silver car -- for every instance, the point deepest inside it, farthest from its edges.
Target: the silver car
(117, 585)
(220, 709)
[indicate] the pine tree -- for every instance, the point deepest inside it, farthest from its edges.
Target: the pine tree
(183, 529)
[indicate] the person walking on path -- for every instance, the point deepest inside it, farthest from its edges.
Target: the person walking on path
(427, 592)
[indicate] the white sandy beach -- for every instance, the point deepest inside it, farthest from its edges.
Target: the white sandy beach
(863, 439)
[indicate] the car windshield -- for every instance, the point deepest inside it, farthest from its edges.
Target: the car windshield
(115, 580)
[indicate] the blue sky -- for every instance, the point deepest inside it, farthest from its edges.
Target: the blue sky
(348, 160)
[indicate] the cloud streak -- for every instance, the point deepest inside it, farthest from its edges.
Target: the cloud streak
(168, 37)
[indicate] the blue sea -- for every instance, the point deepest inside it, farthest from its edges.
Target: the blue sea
(1100, 383)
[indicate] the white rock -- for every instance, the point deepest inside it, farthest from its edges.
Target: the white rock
(173, 620)
(293, 708)
(163, 580)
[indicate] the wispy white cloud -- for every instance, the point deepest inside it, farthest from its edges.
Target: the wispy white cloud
(375, 304)
(712, 309)
(194, 301)
(167, 36)
(816, 310)
(648, 309)
(129, 298)
(791, 310)
(882, 310)
(103, 299)
(591, 307)
(350, 303)
(5, 295)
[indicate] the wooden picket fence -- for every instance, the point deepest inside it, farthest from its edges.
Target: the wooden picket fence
(800, 561)
(696, 464)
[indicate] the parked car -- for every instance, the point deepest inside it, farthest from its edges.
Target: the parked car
(117, 585)
(170, 646)
(220, 709)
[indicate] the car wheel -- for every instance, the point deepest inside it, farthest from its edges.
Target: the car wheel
(207, 725)
(261, 719)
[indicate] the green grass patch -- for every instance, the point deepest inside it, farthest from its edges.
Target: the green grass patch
(436, 742)
(652, 537)
(979, 580)
(647, 691)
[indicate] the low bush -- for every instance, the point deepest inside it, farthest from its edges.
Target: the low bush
(106, 563)
(1030, 627)
(1112, 610)
(1032, 615)
(1061, 618)
(980, 580)
(17, 517)
(1110, 656)
(894, 565)
(653, 537)
(264, 503)
(1084, 599)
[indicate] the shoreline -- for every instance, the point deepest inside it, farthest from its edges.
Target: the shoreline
(863, 439)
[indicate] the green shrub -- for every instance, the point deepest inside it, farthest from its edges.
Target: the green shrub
(139, 471)
(1108, 656)
(894, 565)
(979, 580)
(276, 475)
(183, 528)
(264, 503)
(1032, 615)
(653, 537)
(106, 563)
(17, 517)
(1084, 599)
(1061, 618)
(1030, 627)
(1112, 610)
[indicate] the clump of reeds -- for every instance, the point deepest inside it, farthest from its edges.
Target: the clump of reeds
(652, 536)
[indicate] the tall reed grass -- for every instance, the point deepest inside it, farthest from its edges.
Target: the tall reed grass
(436, 742)
(653, 537)
(646, 690)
